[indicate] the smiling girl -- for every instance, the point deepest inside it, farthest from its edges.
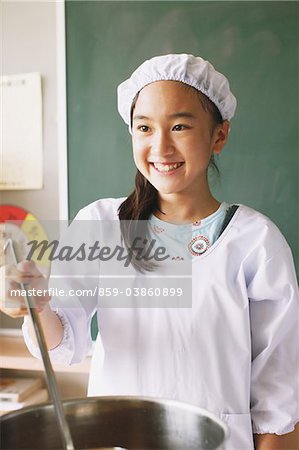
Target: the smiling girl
(174, 137)
(235, 351)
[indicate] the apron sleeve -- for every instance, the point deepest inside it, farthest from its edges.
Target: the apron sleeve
(73, 286)
(76, 340)
(274, 314)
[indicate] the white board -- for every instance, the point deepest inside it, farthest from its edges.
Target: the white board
(21, 131)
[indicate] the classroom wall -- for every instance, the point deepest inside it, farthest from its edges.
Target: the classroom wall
(29, 45)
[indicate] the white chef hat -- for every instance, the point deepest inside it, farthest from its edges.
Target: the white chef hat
(189, 69)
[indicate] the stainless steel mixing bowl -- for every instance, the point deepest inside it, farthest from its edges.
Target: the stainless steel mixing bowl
(129, 422)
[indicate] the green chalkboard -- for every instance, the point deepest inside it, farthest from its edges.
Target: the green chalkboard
(254, 43)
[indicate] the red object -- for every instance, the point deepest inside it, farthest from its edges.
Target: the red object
(11, 213)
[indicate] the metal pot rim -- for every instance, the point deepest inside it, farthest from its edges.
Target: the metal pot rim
(129, 398)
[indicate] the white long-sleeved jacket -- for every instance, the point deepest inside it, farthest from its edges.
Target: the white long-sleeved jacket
(235, 352)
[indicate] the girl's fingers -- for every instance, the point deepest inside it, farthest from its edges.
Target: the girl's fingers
(24, 267)
(13, 307)
(29, 268)
(13, 288)
(13, 297)
(15, 313)
(24, 272)
(16, 307)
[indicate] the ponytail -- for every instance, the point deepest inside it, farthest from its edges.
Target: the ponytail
(133, 215)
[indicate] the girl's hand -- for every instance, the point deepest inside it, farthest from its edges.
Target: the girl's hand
(12, 296)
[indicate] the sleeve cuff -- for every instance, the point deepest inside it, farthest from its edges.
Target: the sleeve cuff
(64, 352)
(274, 430)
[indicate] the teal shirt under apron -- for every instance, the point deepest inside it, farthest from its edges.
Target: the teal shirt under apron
(188, 240)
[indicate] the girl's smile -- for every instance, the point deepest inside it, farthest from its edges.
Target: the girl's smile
(166, 168)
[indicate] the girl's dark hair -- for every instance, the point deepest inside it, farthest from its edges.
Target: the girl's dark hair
(143, 201)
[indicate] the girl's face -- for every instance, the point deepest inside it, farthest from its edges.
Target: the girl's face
(173, 137)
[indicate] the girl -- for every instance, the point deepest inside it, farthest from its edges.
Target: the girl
(235, 351)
